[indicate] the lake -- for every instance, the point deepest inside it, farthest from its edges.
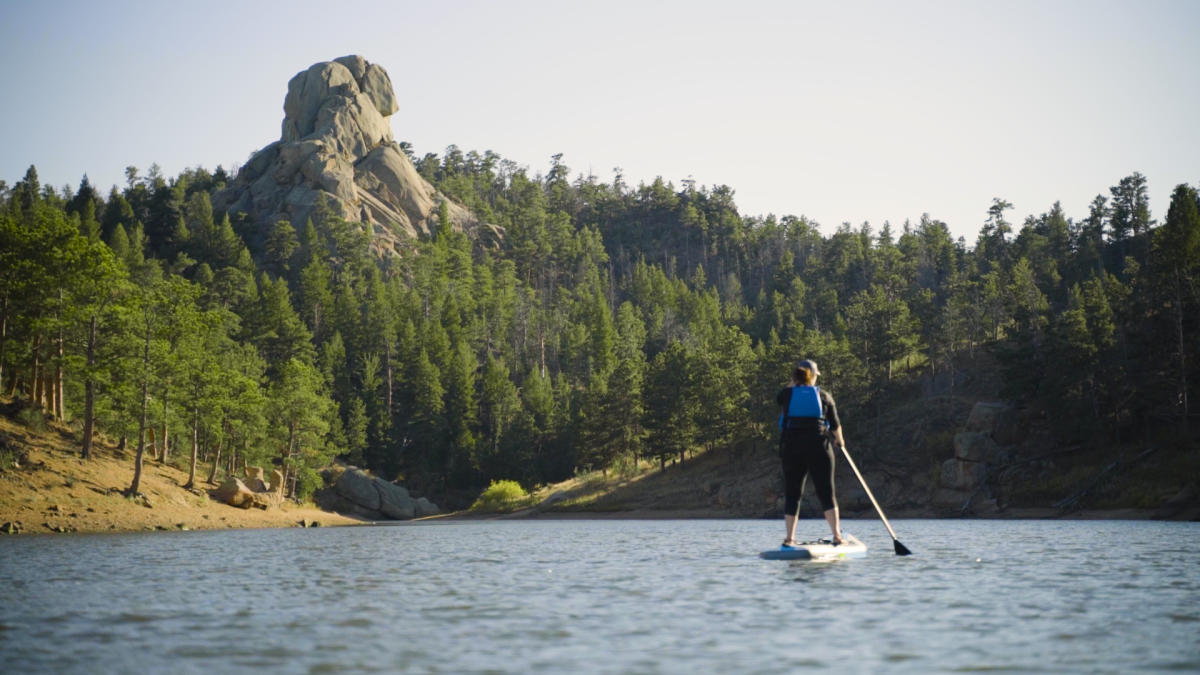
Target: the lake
(605, 596)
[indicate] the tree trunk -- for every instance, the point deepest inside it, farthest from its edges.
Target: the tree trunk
(542, 346)
(1183, 383)
(35, 374)
(163, 452)
(212, 474)
(291, 452)
(59, 411)
(3, 335)
(141, 449)
(191, 481)
(390, 385)
(48, 395)
(89, 397)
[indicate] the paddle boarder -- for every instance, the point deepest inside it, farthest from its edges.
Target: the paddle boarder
(809, 427)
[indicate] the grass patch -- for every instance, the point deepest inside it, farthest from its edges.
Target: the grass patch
(8, 458)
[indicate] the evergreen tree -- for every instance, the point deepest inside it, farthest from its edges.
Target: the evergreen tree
(300, 412)
(1177, 260)
(670, 404)
(280, 246)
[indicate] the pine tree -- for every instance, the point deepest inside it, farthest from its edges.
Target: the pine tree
(670, 404)
(1177, 261)
(499, 405)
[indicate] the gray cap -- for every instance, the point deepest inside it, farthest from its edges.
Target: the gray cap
(810, 365)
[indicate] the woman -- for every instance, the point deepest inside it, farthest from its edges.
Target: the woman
(808, 421)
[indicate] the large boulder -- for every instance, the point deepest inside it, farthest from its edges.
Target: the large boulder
(254, 479)
(355, 491)
(337, 144)
(425, 508)
(974, 446)
(358, 487)
(992, 418)
(234, 493)
(959, 475)
(395, 502)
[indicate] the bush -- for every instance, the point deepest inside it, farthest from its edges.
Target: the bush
(308, 481)
(502, 495)
(33, 418)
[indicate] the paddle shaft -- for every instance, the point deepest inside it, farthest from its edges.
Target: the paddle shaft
(864, 484)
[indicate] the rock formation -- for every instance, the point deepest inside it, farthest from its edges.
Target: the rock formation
(253, 492)
(976, 450)
(337, 142)
(254, 479)
(235, 493)
(358, 493)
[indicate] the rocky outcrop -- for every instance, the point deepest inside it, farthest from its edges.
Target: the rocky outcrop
(253, 492)
(235, 493)
(337, 144)
(358, 493)
(978, 449)
(254, 479)
(277, 483)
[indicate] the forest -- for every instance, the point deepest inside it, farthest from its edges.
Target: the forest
(611, 323)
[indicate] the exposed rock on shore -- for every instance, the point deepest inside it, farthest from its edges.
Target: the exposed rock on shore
(356, 492)
(977, 449)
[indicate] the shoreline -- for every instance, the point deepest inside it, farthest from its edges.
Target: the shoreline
(1026, 513)
(222, 517)
(54, 491)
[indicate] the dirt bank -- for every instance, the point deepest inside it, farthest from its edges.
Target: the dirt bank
(54, 490)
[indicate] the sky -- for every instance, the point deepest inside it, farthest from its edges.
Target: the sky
(842, 112)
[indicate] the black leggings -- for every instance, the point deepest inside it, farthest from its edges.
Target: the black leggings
(799, 460)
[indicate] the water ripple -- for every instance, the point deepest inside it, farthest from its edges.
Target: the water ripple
(604, 596)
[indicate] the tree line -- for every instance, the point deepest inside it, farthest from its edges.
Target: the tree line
(611, 324)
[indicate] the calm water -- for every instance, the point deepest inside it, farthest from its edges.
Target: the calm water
(605, 596)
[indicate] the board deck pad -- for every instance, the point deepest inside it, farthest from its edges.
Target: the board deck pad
(819, 550)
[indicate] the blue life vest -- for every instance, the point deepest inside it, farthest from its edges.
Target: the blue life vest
(804, 407)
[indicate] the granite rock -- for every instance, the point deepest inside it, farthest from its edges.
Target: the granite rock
(337, 144)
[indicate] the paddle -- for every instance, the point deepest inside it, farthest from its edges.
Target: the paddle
(901, 549)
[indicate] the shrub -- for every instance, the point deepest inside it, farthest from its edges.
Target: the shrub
(308, 481)
(33, 418)
(502, 495)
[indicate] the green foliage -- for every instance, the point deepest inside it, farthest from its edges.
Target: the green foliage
(610, 325)
(33, 418)
(308, 481)
(502, 496)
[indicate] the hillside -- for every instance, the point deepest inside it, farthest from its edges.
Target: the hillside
(283, 312)
(902, 455)
(51, 489)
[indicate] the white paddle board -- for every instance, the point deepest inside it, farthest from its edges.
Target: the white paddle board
(819, 550)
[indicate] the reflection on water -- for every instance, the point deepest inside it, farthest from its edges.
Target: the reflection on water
(604, 596)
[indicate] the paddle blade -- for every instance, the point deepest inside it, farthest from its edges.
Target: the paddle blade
(901, 549)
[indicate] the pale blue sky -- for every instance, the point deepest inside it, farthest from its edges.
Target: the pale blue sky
(840, 111)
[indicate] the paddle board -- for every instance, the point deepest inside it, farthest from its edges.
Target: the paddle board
(819, 550)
